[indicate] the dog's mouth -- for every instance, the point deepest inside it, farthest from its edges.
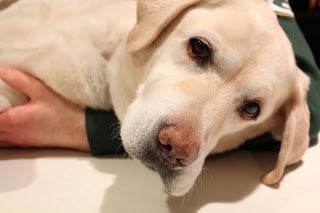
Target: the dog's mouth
(177, 175)
(177, 180)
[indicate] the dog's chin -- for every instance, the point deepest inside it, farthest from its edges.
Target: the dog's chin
(176, 181)
(176, 184)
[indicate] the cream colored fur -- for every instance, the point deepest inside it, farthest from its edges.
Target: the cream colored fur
(93, 54)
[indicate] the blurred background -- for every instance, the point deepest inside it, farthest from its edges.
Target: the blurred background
(309, 22)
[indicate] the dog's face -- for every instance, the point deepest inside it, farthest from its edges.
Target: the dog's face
(216, 74)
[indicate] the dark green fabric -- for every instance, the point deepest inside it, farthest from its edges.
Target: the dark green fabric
(103, 132)
(103, 127)
(307, 63)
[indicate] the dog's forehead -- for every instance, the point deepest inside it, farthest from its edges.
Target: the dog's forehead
(236, 22)
(248, 37)
(252, 52)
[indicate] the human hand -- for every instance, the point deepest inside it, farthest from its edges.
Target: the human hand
(46, 120)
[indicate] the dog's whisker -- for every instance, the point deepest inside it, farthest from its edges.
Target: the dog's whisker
(200, 178)
(208, 172)
(118, 149)
(115, 134)
(114, 125)
(124, 155)
(211, 175)
(183, 200)
(194, 191)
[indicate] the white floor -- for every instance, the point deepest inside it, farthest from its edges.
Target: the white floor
(61, 181)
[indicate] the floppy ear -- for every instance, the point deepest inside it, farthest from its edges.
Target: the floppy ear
(6, 3)
(295, 136)
(153, 17)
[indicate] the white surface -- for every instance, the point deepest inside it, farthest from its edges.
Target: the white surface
(57, 181)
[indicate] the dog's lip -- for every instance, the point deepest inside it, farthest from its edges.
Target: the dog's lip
(152, 161)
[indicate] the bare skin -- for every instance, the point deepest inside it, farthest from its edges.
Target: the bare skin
(46, 120)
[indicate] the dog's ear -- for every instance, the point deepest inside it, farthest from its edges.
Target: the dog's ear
(153, 17)
(295, 133)
(6, 3)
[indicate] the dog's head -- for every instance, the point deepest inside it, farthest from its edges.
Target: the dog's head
(216, 73)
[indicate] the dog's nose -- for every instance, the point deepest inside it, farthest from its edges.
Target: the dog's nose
(177, 146)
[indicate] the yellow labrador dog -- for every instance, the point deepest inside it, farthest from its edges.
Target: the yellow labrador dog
(187, 78)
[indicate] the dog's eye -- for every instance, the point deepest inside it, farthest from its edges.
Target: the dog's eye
(200, 51)
(250, 110)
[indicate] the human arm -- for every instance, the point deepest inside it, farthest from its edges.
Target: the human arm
(46, 120)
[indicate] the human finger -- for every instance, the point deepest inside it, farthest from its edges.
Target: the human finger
(14, 117)
(21, 81)
(7, 120)
(4, 144)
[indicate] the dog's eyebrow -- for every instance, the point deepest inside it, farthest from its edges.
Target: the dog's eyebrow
(250, 93)
(211, 37)
(241, 98)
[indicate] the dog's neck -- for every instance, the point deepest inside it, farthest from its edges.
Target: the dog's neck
(131, 67)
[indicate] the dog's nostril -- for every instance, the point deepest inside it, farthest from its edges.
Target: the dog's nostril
(167, 147)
